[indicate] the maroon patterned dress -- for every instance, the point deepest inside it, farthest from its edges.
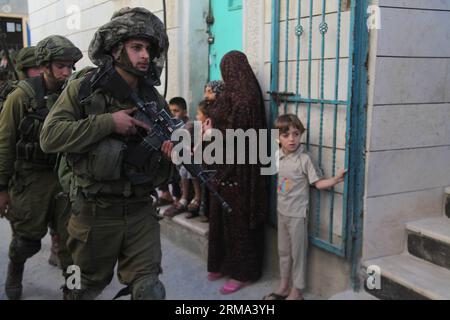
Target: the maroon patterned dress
(236, 239)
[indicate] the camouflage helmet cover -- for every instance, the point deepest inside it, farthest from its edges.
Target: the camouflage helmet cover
(130, 23)
(26, 59)
(56, 48)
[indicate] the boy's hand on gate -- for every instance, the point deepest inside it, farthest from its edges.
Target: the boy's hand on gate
(341, 175)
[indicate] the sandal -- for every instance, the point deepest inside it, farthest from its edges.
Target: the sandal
(194, 206)
(177, 208)
(274, 296)
(231, 287)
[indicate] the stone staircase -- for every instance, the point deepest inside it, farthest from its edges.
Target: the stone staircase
(423, 270)
(189, 234)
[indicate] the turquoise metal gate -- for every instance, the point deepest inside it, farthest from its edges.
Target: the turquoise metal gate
(314, 47)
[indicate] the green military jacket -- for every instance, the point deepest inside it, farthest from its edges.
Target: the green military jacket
(17, 106)
(84, 130)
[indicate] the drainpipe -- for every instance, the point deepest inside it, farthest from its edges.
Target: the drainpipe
(359, 102)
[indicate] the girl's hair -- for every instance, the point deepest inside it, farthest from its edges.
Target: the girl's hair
(217, 86)
(284, 122)
(205, 108)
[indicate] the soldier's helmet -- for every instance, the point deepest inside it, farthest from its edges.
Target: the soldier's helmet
(56, 48)
(132, 23)
(26, 59)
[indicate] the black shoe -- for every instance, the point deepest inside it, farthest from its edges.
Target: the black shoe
(13, 284)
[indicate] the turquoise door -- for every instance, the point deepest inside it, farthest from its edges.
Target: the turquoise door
(225, 32)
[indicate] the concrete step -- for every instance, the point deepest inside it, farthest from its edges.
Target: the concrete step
(192, 236)
(189, 234)
(447, 202)
(353, 295)
(429, 239)
(404, 277)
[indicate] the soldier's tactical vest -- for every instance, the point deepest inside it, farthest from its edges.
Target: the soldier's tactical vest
(103, 171)
(28, 149)
(64, 172)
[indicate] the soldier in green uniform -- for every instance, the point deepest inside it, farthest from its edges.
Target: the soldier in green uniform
(26, 67)
(95, 124)
(28, 184)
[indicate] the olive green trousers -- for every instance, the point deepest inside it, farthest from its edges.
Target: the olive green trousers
(124, 234)
(37, 204)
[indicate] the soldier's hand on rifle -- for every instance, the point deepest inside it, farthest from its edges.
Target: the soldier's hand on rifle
(167, 148)
(4, 203)
(126, 124)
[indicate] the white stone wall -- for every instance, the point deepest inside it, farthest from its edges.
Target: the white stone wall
(188, 47)
(408, 146)
(77, 20)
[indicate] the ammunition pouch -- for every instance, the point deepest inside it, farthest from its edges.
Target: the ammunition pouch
(31, 152)
(141, 165)
(28, 148)
(105, 161)
(145, 166)
(102, 163)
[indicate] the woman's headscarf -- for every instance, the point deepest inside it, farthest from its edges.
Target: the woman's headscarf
(241, 105)
(217, 86)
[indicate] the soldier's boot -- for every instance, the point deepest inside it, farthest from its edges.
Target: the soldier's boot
(148, 289)
(66, 293)
(53, 260)
(13, 284)
(20, 250)
(80, 294)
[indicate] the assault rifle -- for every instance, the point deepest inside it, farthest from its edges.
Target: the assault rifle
(162, 125)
